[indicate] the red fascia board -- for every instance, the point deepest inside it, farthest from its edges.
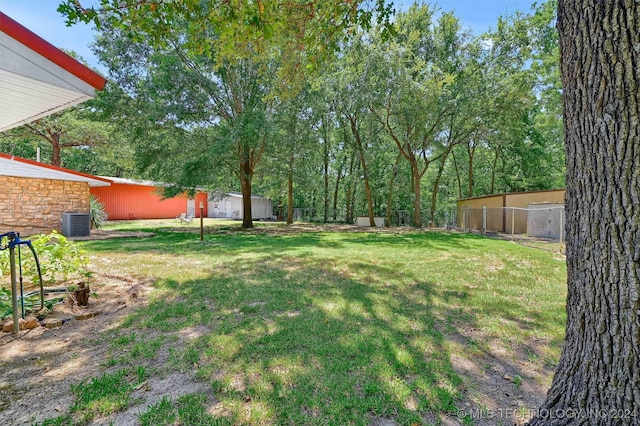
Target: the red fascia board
(50, 167)
(49, 51)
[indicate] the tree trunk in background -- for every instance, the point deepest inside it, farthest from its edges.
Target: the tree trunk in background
(336, 190)
(417, 214)
(436, 184)
(351, 190)
(493, 172)
(326, 169)
(471, 151)
(390, 193)
(56, 157)
(598, 375)
(363, 164)
(290, 190)
(455, 166)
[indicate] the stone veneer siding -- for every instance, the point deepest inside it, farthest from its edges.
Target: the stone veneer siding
(35, 206)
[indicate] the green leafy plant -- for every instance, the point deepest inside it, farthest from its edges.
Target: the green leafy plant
(98, 213)
(517, 381)
(60, 259)
(5, 302)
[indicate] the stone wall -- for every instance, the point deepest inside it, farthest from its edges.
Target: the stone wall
(35, 206)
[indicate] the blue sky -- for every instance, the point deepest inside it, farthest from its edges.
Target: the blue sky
(41, 17)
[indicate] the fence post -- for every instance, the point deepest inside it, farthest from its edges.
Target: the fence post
(513, 223)
(14, 289)
(484, 220)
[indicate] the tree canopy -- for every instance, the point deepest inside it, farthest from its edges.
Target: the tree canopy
(407, 114)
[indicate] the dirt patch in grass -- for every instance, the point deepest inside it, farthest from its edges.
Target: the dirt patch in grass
(504, 385)
(38, 366)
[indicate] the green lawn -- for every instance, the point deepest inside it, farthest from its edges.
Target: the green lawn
(326, 328)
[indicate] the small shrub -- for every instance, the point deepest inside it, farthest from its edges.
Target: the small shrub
(517, 381)
(98, 213)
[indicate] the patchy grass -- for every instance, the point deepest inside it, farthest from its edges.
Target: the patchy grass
(320, 327)
(187, 410)
(106, 394)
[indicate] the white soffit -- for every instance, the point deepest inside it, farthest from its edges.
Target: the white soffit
(32, 86)
(16, 168)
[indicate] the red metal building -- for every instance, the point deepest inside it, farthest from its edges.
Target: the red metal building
(128, 200)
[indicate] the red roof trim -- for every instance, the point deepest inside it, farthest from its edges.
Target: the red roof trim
(49, 51)
(50, 167)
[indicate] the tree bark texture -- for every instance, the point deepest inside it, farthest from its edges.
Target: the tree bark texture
(56, 157)
(597, 381)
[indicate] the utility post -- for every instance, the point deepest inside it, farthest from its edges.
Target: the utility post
(201, 221)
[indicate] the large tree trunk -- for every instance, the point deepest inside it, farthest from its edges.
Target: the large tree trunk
(598, 376)
(246, 175)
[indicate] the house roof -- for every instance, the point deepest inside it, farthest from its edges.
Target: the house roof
(239, 195)
(124, 181)
(36, 78)
(21, 167)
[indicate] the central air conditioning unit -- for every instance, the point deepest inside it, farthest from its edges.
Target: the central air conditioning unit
(76, 224)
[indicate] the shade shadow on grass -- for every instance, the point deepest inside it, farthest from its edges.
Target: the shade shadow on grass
(336, 351)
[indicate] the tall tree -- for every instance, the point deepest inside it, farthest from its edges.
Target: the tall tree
(345, 85)
(296, 132)
(178, 98)
(413, 87)
(597, 378)
(304, 33)
(63, 130)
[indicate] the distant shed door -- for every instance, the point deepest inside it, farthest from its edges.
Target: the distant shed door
(191, 207)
